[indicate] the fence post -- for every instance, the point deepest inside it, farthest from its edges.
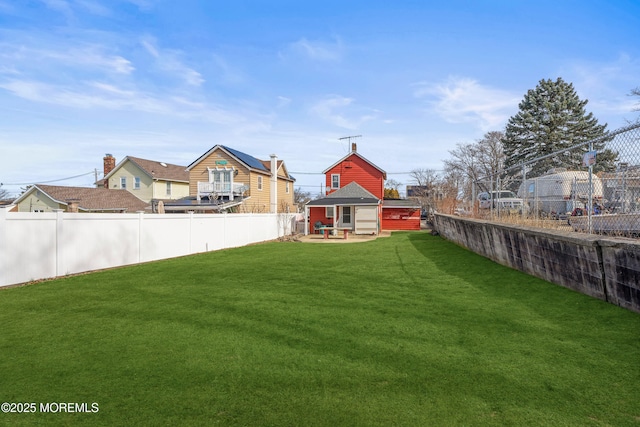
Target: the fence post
(3, 246)
(525, 192)
(590, 207)
(59, 242)
(190, 232)
(140, 234)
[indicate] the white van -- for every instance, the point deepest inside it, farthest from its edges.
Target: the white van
(503, 200)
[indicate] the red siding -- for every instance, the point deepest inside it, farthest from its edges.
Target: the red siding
(354, 168)
(400, 219)
(317, 214)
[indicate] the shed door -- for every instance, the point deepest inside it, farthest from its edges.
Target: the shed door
(366, 218)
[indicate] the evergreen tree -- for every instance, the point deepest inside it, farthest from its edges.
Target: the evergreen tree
(551, 118)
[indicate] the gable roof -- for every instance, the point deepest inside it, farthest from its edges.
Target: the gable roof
(90, 199)
(156, 170)
(263, 166)
(267, 164)
(351, 194)
(162, 170)
(248, 160)
(355, 153)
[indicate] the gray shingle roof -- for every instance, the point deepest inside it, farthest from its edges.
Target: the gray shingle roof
(161, 170)
(353, 189)
(351, 194)
(400, 203)
(94, 199)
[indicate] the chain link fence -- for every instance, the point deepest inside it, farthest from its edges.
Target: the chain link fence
(596, 190)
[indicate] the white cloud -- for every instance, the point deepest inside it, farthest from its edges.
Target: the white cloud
(61, 6)
(606, 85)
(464, 100)
(283, 101)
(316, 50)
(169, 61)
(143, 5)
(149, 44)
(94, 7)
(339, 111)
(91, 95)
(44, 57)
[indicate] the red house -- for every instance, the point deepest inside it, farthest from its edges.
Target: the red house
(355, 200)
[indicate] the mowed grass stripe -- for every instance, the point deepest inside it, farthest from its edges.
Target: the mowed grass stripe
(406, 330)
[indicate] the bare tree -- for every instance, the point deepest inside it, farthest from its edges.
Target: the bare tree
(472, 162)
(301, 198)
(636, 92)
(391, 189)
(424, 188)
(4, 194)
(393, 184)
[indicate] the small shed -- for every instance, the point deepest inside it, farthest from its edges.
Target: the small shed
(400, 214)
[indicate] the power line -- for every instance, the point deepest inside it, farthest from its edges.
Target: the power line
(47, 182)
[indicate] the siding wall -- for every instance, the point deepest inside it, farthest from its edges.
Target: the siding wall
(400, 219)
(129, 171)
(367, 176)
(259, 200)
(178, 190)
(37, 201)
(199, 173)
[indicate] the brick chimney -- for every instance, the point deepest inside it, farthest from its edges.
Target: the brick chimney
(72, 205)
(109, 163)
(353, 147)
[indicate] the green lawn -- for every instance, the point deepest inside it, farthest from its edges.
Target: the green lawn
(408, 330)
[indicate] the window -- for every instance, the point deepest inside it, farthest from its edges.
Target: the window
(346, 214)
(259, 183)
(335, 181)
(136, 183)
(329, 212)
(287, 188)
(123, 182)
(221, 180)
(168, 188)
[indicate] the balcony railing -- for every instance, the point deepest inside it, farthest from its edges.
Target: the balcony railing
(221, 189)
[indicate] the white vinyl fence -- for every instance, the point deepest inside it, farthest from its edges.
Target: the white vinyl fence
(37, 246)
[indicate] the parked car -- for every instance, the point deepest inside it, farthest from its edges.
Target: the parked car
(503, 200)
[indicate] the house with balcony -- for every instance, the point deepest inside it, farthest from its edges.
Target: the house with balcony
(224, 178)
(355, 200)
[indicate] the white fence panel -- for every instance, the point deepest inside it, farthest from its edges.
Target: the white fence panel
(44, 245)
(164, 236)
(207, 233)
(90, 243)
(27, 256)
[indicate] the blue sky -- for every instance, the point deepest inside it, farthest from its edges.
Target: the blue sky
(167, 80)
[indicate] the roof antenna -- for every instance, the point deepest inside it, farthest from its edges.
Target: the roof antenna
(353, 144)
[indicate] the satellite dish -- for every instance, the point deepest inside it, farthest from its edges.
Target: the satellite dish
(163, 164)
